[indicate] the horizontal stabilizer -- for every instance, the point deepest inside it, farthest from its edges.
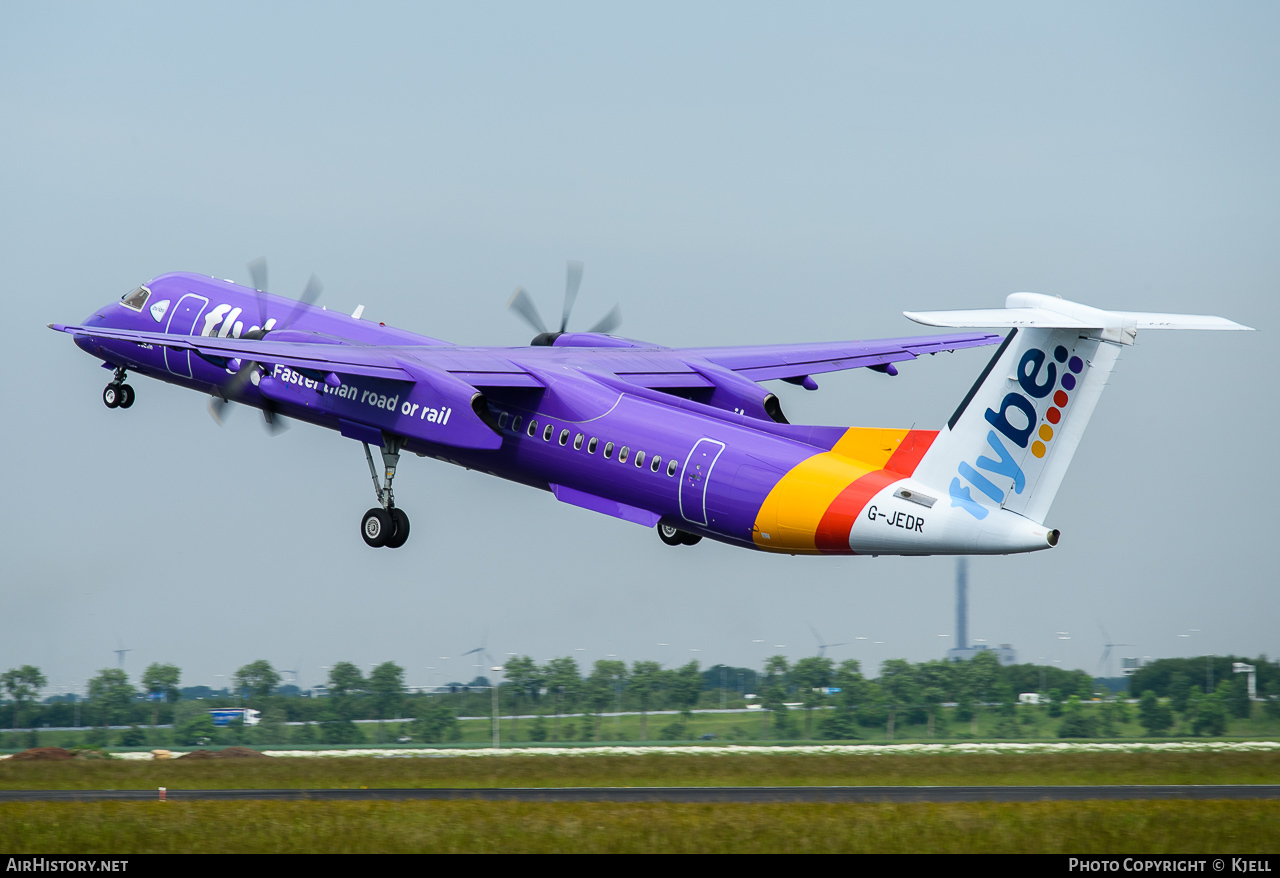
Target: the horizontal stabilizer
(1033, 310)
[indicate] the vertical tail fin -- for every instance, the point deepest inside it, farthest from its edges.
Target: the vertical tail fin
(1009, 443)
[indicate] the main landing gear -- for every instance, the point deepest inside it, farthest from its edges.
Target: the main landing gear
(117, 394)
(673, 536)
(385, 525)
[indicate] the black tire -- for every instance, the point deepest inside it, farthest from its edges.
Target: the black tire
(690, 539)
(127, 396)
(376, 527)
(400, 522)
(670, 535)
(111, 396)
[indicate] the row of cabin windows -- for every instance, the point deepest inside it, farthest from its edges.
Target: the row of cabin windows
(549, 430)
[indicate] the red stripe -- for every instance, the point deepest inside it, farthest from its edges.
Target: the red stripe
(837, 521)
(905, 460)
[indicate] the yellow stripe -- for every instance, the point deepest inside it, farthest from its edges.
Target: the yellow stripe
(793, 509)
(870, 445)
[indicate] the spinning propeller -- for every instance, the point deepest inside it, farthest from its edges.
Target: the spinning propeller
(522, 304)
(244, 371)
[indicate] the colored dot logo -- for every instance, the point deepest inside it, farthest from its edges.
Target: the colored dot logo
(1060, 398)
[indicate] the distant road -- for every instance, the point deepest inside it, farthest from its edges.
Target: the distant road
(684, 794)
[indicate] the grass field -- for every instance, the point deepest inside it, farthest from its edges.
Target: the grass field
(653, 770)
(449, 827)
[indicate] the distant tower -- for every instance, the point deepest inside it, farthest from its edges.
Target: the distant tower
(962, 603)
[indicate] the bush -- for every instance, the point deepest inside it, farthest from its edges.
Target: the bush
(839, 725)
(676, 731)
(340, 731)
(1076, 723)
(133, 737)
(538, 729)
(437, 724)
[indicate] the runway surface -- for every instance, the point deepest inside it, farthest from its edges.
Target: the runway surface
(681, 794)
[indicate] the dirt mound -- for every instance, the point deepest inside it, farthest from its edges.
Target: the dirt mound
(229, 753)
(44, 754)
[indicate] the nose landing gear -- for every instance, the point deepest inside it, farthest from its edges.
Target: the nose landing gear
(117, 394)
(385, 525)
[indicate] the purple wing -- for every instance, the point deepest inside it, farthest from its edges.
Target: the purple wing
(766, 362)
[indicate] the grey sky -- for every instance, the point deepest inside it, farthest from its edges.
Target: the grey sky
(729, 173)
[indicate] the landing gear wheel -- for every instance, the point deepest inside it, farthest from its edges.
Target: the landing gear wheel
(400, 521)
(126, 396)
(111, 396)
(376, 527)
(670, 535)
(690, 539)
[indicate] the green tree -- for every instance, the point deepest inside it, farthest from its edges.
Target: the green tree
(811, 675)
(1075, 722)
(1235, 696)
(435, 723)
(111, 693)
(644, 686)
(564, 685)
(936, 679)
(841, 723)
(1210, 716)
(604, 687)
(23, 685)
(525, 681)
(257, 679)
(976, 682)
(1154, 715)
(386, 684)
(160, 682)
(684, 687)
(1180, 686)
(898, 682)
(345, 683)
(192, 725)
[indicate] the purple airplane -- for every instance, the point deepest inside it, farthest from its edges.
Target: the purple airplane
(682, 439)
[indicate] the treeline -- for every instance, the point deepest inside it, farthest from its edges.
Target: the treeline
(789, 695)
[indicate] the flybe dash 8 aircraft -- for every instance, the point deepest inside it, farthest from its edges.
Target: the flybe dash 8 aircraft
(686, 440)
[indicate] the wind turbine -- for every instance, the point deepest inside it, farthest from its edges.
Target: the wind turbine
(822, 647)
(1105, 661)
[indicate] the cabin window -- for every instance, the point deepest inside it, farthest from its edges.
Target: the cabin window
(622, 454)
(564, 438)
(577, 442)
(515, 425)
(672, 466)
(135, 299)
(546, 432)
(608, 450)
(533, 428)
(656, 464)
(639, 459)
(591, 446)
(502, 421)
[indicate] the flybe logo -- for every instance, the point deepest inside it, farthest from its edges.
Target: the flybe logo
(1015, 420)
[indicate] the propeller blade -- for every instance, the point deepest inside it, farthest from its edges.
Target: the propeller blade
(275, 423)
(609, 322)
(523, 306)
(309, 295)
(572, 280)
(258, 271)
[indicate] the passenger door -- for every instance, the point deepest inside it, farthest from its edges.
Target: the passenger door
(694, 478)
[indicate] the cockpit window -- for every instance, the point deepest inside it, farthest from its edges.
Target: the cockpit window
(136, 299)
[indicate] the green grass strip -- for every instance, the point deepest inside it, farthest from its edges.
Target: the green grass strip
(652, 770)
(1209, 827)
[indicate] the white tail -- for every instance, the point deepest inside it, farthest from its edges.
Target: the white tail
(1009, 443)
